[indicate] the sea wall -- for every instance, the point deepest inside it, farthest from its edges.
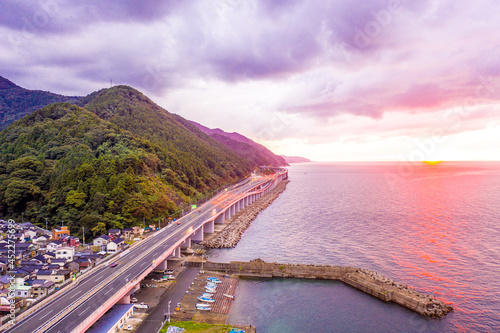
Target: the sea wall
(231, 234)
(368, 281)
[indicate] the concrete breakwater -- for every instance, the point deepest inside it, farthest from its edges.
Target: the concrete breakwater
(368, 281)
(231, 234)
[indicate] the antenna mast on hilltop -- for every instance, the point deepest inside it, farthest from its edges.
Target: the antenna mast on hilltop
(111, 82)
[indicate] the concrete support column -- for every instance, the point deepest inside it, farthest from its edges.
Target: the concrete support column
(187, 242)
(198, 235)
(162, 265)
(177, 252)
(219, 219)
(227, 214)
(233, 210)
(209, 227)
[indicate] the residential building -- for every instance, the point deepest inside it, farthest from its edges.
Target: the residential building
(115, 245)
(65, 252)
(40, 287)
(102, 240)
(57, 233)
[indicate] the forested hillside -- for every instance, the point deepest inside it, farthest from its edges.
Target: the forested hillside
(66, 164)
(16, 102)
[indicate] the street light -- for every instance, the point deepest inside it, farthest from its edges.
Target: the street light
(169, 310)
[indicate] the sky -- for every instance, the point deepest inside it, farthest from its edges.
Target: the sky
(327, 80)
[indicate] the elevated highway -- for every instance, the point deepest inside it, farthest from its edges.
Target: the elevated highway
(84, 303)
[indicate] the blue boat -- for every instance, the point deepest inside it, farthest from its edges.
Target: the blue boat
(206, 299)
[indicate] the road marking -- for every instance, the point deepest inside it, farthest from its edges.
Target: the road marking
(108, 291)
(81, 312)
(46, 314)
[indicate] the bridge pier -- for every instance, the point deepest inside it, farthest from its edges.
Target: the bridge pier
(177, 252)
(163, 265)
(227, 214)
(209, 227)
(198, 235)
(233, 209)
(186, 243)
(219, 219)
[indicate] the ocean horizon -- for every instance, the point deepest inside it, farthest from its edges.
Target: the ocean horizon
(433, 227)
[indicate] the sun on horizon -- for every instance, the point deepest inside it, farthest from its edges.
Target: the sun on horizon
(432, 162)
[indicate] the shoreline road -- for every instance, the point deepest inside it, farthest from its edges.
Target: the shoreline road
(70, 309)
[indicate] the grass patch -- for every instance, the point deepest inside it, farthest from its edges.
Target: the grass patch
(129, 242)
(192, 327)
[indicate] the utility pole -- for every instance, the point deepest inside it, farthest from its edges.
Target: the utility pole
(46, 224)
(83, 228)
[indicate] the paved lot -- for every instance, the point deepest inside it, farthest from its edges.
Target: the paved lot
(174, 294)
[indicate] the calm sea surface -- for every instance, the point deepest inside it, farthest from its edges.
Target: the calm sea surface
(435, 228)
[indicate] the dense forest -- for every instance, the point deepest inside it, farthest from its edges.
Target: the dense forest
(16, 102)
(125, 161)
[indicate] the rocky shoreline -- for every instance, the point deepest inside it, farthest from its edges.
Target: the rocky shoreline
(231, 235)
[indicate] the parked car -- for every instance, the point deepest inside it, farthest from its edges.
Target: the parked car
(142, 305)
(133, 300)
(129, 328)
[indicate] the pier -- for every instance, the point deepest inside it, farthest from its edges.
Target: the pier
(365, 280)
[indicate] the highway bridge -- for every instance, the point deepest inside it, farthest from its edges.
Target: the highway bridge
(87, 299)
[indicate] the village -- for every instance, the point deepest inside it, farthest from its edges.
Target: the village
(35, 262)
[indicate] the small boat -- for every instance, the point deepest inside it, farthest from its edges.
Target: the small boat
(229, 296)
(206, 299)
(214, 280)
(203, 308)
(207, 295)
(211, 286)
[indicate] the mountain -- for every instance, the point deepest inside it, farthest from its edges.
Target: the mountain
(204, 162)
(16, 102)
(295, 159)
(244, 146)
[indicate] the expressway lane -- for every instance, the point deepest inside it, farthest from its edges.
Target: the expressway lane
(159, 243)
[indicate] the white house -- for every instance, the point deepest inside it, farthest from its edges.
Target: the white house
(101, 240)
(65, 252)
(114, 245)
(40, 240)
(54, 245)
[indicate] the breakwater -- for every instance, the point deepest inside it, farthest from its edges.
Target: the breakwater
(368, 281)
(231, 234)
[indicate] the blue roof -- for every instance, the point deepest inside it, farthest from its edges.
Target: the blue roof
(106, 322)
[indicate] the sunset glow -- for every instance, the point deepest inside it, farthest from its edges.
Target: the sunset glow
(327, 80)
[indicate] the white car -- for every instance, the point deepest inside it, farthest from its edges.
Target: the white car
(133, 300)
(129, 328)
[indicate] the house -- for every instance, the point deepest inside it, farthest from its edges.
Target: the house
(6, 307)
(84, 263)
(73, 266)
(39, 258)
(136, 231)
(5, 281)
(101, 240)
(115, 245)
(30, 234)
(71, 240)
(54, 245)
(62, 275)
(114, 232)
(40, 287)
(20, 290)
(40, 239)
(65, 252)
(58, 261)
(57, 233)
(57, 276)
(127, 233)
